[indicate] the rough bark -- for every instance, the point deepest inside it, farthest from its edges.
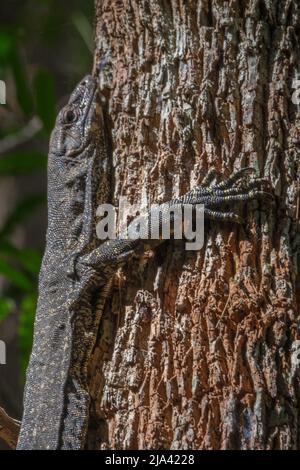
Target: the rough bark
(201, 350)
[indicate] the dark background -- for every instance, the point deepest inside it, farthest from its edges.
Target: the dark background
(45, 49)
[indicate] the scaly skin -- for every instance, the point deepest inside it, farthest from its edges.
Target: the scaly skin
(75, 268)
(78, 180)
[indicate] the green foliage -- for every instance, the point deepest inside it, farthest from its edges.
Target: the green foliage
(10, 57)
(6, 46)
(6, 307)
(24, 94)
(45, 98)
(21, 162)
(29, 259)
(20, 213)
(84, 28)
(20, 268)
(41, 58)
(16, 277)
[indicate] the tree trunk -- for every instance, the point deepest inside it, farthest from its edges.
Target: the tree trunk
(201, 349)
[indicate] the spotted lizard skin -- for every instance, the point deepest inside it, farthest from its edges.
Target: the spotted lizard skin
(77, 269)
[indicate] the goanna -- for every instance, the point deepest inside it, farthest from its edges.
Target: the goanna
(77, 269)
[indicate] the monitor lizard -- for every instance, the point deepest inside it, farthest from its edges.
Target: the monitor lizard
(77, 270)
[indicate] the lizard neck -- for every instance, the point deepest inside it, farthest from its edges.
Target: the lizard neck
(79, 185)
(65, 211)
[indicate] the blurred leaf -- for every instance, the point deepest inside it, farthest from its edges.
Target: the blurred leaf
(6, 46)
(16, 277)
(83, 26)
(23, 90)
(29, 259)
(21, 212)
(10, 55)
(6, 306)
(45, 98)
(22, 162)
(25, 330)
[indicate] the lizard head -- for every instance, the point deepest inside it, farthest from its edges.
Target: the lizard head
(78, 162)
(78, 120)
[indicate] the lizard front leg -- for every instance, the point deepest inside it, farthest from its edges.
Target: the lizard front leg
(113, 253)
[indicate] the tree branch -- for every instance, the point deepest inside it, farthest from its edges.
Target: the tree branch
(10, 142)
(9, 429)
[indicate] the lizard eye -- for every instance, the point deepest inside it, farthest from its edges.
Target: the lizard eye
(70, 115)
